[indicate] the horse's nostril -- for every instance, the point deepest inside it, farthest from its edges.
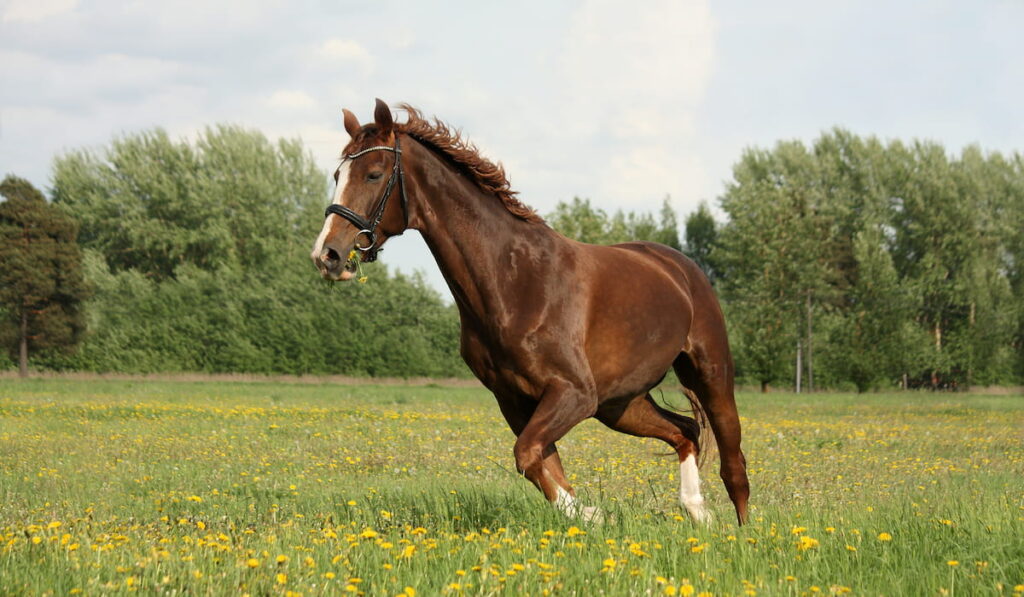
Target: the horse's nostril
(330, 255)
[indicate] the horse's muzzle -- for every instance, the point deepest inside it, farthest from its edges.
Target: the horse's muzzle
(332, 265)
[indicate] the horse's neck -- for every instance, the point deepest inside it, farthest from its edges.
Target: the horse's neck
(471, 235)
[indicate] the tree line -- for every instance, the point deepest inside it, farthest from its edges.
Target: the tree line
(196, 258)
(845, 263)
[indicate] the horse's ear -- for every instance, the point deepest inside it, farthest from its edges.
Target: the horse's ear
(351, 123)
(382, 116)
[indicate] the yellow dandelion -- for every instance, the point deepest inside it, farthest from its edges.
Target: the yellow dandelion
(670, 590)
(310, 562)
(281, 559)
(329, 575)
(953, 563)
(575, 531)
(252, 563)
(806, 543)
(884, 537)
(281, 578)
(368, 533)
(686, 590)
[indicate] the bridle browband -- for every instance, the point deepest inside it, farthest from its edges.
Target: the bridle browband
(368, 227)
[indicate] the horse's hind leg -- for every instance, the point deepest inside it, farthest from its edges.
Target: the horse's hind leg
(711, 380)
(641, 417)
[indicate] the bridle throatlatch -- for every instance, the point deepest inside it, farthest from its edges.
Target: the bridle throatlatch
(366, 226)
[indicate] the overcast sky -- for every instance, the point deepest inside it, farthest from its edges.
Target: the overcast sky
(622, 103)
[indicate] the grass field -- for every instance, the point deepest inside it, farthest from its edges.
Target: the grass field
(273, 488)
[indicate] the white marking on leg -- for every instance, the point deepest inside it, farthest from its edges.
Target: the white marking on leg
(570, 506)
(689, 490)
(339, 192)
(567, 504)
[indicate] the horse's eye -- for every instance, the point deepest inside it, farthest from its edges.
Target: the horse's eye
(374, 176)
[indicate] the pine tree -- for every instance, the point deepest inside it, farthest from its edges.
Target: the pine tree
(41, 282)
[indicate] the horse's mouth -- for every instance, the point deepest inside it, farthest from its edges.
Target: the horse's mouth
(348, 271)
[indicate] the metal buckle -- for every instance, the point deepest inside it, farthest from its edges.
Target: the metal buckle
(370, 235)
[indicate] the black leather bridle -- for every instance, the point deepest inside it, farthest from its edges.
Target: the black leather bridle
(366, 226)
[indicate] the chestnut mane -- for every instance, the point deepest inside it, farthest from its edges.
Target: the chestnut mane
(486, 174)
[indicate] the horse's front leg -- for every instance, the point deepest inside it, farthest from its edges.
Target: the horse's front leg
(562, 407)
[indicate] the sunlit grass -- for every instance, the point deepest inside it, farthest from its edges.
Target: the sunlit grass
(266, 488)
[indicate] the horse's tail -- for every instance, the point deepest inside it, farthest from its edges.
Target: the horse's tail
(704, 432)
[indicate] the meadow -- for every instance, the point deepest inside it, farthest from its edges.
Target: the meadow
(199, 488)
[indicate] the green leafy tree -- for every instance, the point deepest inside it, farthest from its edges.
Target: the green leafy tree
(582, 221)
(152, 204)
(774, 251)
(701, 239)
(41, 282)
(874, 341)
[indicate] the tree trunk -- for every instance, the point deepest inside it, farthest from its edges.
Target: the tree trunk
(938, 349)
(799, 365)
(23, 348)
(810, 332)
(764, 387)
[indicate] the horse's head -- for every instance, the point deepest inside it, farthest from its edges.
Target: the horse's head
(369, 197)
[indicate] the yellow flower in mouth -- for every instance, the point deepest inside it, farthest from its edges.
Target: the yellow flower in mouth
(351, 253)
(363, 280)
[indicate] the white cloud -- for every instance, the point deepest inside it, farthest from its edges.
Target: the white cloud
(289, 99)
(346, 51)
(31, 11)
(635, 80)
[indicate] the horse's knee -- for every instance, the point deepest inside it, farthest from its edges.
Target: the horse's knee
(529, 459)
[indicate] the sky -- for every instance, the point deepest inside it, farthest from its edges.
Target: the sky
(621, 103)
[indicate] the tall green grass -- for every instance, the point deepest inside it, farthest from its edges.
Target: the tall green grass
(201, 488)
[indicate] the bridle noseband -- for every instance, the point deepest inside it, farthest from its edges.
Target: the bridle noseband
(367, 227)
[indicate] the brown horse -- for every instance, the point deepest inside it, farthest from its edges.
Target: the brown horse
(558, 330)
